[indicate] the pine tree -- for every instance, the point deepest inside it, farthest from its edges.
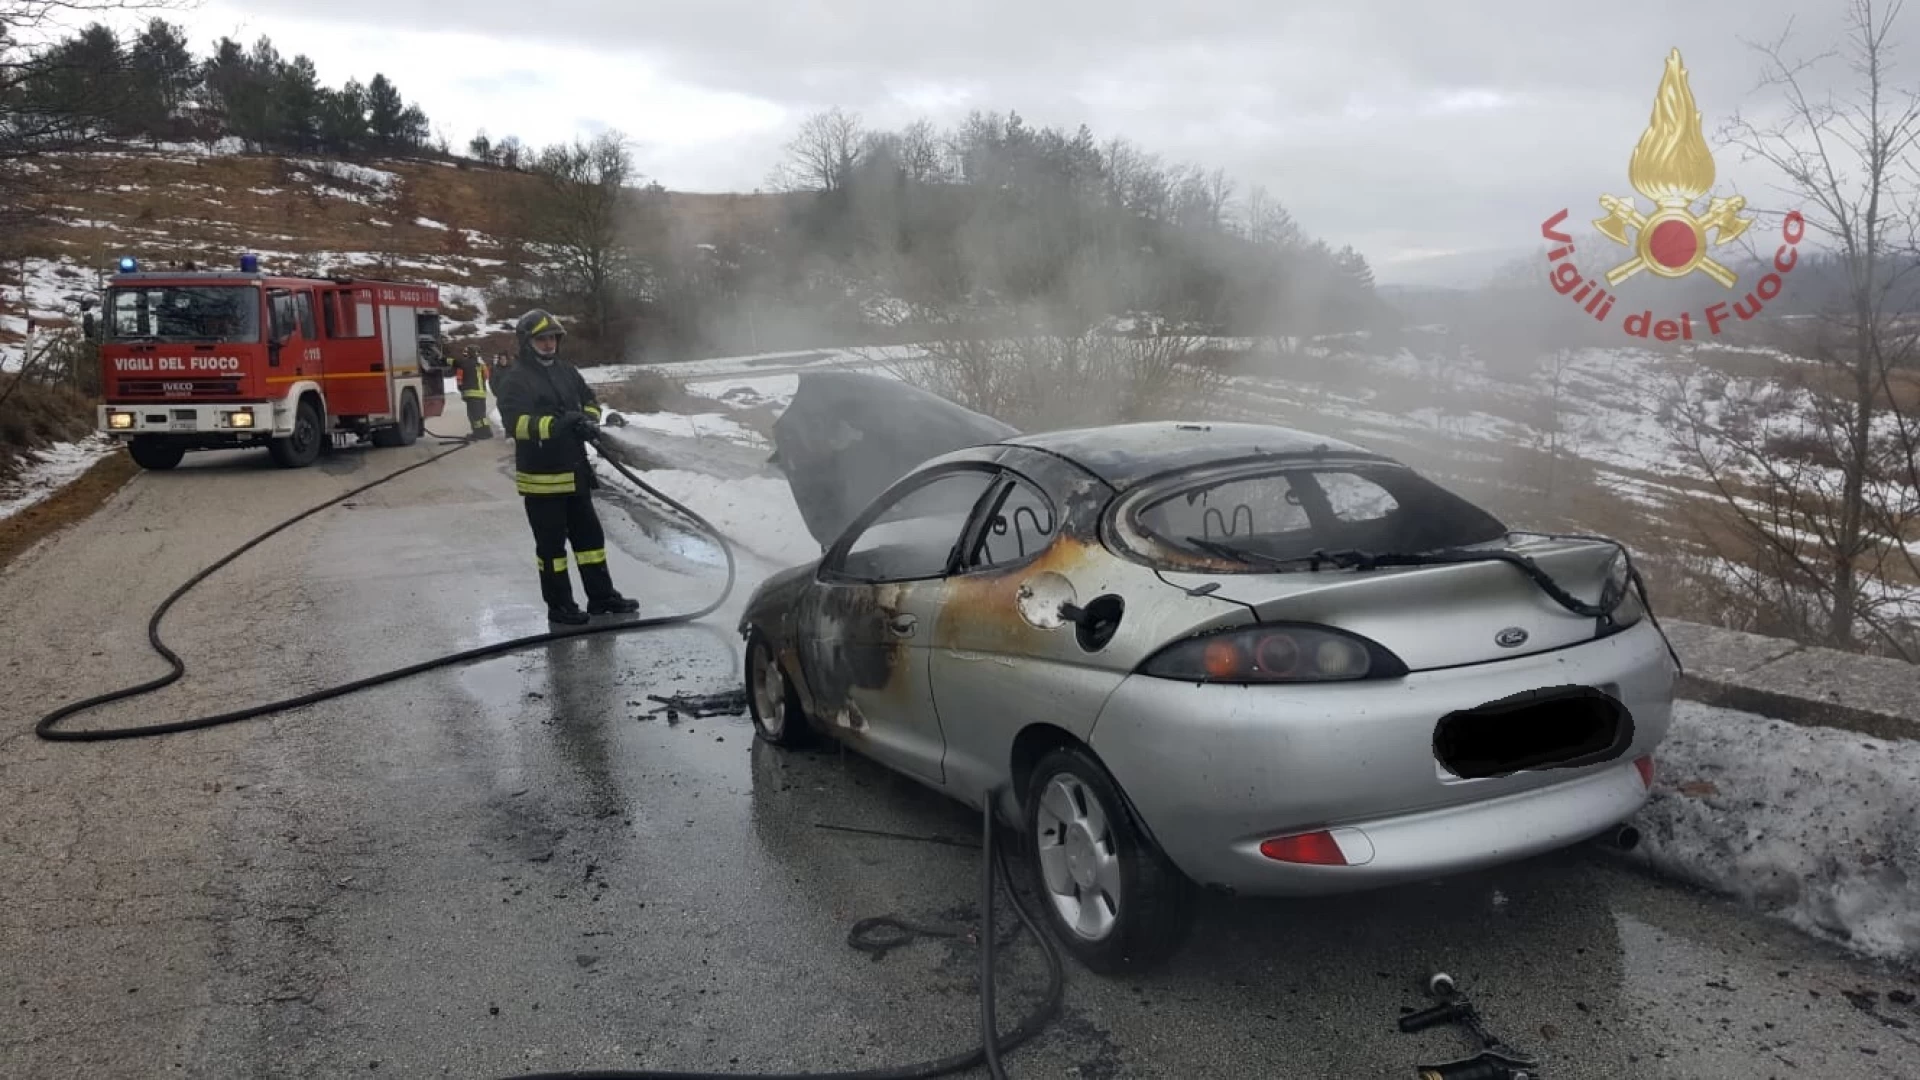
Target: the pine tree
(385, 110)
(161, 76)
(343, 118)
(297, 95)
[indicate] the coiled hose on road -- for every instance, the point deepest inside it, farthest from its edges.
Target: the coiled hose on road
(992, 860)
(48, 728)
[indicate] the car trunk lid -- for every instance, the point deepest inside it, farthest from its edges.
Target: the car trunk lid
(1442, 615)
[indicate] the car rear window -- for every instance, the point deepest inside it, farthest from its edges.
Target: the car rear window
(1289, 513)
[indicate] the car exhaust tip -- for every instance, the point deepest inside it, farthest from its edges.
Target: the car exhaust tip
(1626, 838)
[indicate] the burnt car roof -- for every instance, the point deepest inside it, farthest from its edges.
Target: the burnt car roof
(1125, 454)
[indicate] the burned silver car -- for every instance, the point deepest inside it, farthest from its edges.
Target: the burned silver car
(1225, 656)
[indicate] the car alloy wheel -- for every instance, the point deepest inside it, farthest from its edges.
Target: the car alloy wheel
(1078, 858)
(769, 692)
(1114, 900)
(771, 697)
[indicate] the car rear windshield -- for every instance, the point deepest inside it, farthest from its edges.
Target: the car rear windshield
(1291, 512)
(184, 313)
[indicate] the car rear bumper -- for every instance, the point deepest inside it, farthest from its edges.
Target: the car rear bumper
(1214, 771)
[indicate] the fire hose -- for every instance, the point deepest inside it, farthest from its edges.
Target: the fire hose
(993, 862)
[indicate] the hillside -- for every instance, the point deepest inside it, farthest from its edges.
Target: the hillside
(446, 222)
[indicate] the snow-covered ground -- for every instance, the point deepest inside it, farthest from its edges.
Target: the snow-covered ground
(42, 294)
(701, 371)
(50, 470)
(1816, 826)
(757, 513)
(702, 426)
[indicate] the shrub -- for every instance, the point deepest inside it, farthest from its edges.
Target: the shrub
(646, 392)
(37, 414)
(1053, 381)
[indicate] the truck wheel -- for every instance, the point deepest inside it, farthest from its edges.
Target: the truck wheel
(302, 448)
(407, 430)
(1110, 896)
(151, 453)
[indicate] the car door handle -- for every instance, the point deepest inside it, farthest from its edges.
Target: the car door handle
(902, 625)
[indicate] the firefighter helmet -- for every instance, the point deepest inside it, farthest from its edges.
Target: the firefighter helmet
(537, 323)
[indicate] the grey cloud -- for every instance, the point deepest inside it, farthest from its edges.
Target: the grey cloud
(1272, 93)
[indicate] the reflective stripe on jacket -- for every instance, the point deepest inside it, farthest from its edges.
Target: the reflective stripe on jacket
(473, 377)
(547, 458)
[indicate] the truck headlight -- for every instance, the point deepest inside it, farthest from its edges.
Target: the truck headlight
(240, 419)
(119, 420)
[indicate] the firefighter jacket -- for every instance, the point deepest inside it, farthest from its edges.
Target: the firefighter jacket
(536, 401)
(473, 377)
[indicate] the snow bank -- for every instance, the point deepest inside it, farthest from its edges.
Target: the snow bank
(701, 426)
(56, 467)
(356, 174)
(772, 391)
(1818, 827)
(757, 512)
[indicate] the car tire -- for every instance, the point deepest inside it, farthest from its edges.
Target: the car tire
(772, 699)
(1131, 916)
(156, 454)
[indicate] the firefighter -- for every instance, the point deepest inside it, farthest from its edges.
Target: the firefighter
(500, 366)
(551, 414)
(473, 388)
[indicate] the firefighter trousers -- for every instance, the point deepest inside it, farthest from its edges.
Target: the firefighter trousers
(559, 521)
(477, 416)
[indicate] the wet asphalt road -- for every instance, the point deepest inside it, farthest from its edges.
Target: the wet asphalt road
(521, 866)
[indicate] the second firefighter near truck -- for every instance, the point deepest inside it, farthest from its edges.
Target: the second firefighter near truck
(473, 390)
(552, 413)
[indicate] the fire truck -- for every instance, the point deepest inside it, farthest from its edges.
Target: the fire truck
(200, 359)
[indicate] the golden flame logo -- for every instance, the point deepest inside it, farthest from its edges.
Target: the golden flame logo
(1673, 167)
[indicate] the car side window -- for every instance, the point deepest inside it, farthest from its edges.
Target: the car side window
(1263, 505)
(915, 537)
(1354, 499)
(1023, 526)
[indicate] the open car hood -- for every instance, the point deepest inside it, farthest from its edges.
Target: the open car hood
(847, 435)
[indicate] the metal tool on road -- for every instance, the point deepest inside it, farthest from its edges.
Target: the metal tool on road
(1495, 1061)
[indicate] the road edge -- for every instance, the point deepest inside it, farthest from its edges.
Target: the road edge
(75, 502)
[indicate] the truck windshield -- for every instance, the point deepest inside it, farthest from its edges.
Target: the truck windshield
(184, 313)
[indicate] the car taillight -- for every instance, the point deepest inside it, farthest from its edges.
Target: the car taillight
(1645, 764)
(1314, 849)
(1274, 653)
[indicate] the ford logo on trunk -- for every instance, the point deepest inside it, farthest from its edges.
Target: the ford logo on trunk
(1511, 637)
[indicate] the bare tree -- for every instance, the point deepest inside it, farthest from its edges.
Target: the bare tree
(579, 218)
(1219, 200)
(1847, 163)
(823, 155)
(1265, 222)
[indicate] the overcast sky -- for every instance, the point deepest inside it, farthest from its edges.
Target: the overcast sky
(1433, 138)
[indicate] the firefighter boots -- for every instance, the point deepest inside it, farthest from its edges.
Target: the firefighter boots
(557, 590)
(602, 597)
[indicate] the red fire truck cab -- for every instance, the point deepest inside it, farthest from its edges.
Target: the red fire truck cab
(206, 359)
